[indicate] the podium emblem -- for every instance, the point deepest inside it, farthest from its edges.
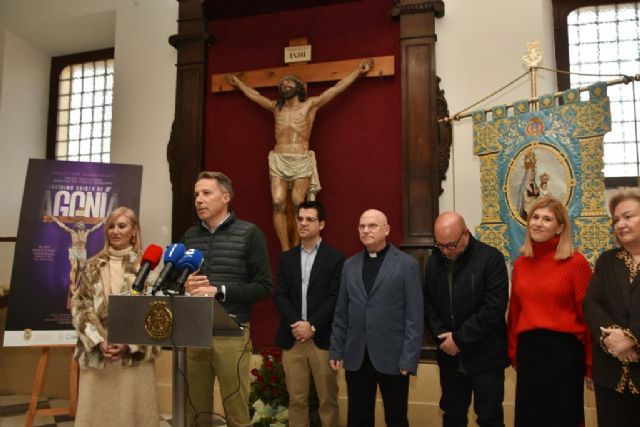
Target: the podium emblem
(157, 322)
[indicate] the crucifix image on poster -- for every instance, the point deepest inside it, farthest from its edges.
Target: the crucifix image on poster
(78, 249)
(292, 165)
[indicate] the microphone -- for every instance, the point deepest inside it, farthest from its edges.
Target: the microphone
(190, 262)
(150, 259)
(172, 255)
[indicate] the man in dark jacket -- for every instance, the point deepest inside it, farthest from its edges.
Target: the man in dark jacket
(466, 295)
(306, 295)
(236, 272)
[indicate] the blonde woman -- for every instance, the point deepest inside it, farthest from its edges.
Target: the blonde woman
(612, 309)
(548, 341)
(117, 382)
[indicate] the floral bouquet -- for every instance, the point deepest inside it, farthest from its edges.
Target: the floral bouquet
(268, 398)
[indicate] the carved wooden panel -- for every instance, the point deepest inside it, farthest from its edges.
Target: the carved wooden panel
(420, 91)
(185, 149)
(419, 141)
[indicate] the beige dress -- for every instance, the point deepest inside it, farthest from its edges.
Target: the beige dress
(121, 393)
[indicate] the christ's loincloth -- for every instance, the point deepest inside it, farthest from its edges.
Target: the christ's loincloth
(295, 166)
(77, 254)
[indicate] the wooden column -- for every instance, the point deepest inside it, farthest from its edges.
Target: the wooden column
(419, 122)
(185, 150)
(421, 183)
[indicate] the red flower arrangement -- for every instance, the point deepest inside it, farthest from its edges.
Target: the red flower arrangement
(268, 387)
(268, 384)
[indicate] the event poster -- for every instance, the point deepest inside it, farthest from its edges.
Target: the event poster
(64, 205)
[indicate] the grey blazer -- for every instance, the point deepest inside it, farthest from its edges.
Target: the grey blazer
(389, 321)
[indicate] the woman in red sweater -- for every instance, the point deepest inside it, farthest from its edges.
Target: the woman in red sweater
(549, 343)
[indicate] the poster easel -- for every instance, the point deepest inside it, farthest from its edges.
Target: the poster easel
(33, 410)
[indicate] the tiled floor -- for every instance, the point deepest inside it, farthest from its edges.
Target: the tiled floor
(13, 409)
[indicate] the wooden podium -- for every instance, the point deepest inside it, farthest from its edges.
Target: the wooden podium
(170, 321)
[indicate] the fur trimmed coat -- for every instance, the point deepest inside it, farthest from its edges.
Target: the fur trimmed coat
(89, 308)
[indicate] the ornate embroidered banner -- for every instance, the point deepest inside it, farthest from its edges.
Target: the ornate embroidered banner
(554, 151)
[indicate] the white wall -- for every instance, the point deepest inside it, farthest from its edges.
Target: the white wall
(63, 26)
(31, 32)
(479, 49)
(144, 95)
(23, 121)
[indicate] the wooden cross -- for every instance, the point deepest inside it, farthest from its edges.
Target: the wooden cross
(317, 72)
(308, 72)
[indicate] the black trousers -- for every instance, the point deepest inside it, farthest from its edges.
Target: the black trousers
(457, 388)
(616, 409)
(361, 391)
(550, 381)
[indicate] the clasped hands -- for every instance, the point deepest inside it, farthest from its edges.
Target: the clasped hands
(302, 331)
(113, 352)
(619, 345)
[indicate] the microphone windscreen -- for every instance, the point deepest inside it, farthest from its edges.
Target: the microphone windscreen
(174, 253)
(152, 255)
(192, 260)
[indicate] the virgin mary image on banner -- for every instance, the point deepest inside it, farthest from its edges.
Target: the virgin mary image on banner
(538, 170)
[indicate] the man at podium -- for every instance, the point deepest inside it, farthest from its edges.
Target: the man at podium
(236, 271)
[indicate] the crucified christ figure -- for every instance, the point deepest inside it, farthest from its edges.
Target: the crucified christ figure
(77, 251)
(292, 166)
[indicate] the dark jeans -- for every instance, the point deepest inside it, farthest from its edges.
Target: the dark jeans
(457, 388)
(361, 391)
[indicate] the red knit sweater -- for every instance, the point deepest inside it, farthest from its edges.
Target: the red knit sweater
(547, 294)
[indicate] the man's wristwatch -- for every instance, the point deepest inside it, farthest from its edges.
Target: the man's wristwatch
(313, 329)
(221, 293)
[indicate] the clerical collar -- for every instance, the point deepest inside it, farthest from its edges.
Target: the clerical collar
(379, 253)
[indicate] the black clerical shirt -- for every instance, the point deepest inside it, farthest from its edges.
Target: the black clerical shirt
(371, 266)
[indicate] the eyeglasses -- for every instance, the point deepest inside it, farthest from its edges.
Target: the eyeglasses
(308, 219)
(450, 245)
(372, 227)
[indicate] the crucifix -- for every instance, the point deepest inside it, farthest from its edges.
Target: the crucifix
(78, 250)
(292, 166)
